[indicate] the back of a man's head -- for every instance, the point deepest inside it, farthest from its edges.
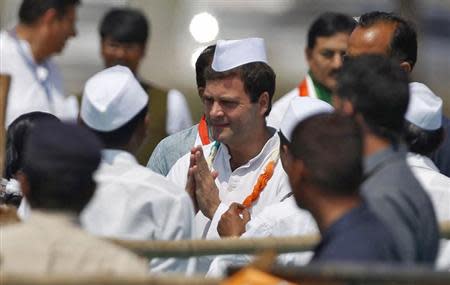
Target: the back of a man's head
(59, 161)
(328, 24)
(330, 147)
(31, 10)
(125, 25)
(403, 45)
(114, 107)
(378, 90)
(423, 132)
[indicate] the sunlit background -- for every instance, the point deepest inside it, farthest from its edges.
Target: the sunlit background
(180, 29)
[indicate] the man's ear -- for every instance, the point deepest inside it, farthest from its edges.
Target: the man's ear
(264, 101)
(49, 16)
(200, 91)
(308, 53)
(406, 66)
(296, 174)
(24, 184)
(347, 107)
(342, 105)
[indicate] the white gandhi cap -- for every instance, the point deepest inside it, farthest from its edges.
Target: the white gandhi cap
(425, 108)
(234, 53)
(299, 109)
(111, 98)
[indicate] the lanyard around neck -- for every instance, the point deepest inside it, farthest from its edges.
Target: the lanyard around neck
(33, 67)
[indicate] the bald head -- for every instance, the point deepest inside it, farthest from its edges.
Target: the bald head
(385, 34)
(375, 39)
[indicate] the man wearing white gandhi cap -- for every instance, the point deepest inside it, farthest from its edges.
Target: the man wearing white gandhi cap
(423, 134)
(242, 165)
(131, 201)
(280, 219)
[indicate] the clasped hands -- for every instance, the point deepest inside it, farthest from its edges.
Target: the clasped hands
(200, 184)
(205, 195)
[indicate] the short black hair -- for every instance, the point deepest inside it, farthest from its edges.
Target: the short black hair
(329, 24)
(330, 146)
(258, 77)
(59, 162)
(16, 136)
(422, 141)
(403, 45)
(121, 136)
(203, 61)
(125, 25)
(31, 10)
(378, 89)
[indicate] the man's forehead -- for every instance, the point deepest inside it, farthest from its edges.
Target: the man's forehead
(232, 81)
(337, 41)
(224, 86)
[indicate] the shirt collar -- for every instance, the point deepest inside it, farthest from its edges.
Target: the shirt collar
(43, 216)
(417, 160)
(112, 155)
(272, 142)
(373, 161)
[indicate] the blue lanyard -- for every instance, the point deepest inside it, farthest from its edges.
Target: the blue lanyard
(33, 67)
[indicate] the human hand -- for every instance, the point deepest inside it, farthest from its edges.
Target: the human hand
(206, 191)
(233, 221)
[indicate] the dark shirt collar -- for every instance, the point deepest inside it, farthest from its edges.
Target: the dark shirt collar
(372, 162)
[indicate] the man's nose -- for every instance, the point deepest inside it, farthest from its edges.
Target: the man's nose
(216, 110)
(337, 60)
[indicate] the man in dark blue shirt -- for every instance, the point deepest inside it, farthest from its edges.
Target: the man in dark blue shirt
(324, 165)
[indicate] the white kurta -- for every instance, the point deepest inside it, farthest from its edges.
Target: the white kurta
(437, 186)
(280, 107)
(235, 186)
(132, 202)
(26, 93)
(278, 220)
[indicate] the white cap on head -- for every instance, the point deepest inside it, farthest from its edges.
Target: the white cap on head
(234, 53)
(425, 108)
(299, 109)
(111, 98)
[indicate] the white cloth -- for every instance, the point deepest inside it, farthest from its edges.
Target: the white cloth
(280, 107)
(178, 116)
(51, 243)
(26, 93)
(132, 202)
(235, 186)
(278, 220)
(437, 186)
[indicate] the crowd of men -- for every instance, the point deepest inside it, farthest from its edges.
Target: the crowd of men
(357, 152)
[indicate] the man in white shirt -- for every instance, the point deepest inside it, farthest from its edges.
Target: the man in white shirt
(57, 178)
(25, 54)
(244, 157)
(326, 44)
(131, 202)
(424, 133)
(280, 219)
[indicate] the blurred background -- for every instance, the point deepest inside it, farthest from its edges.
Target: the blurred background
(182, 28)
